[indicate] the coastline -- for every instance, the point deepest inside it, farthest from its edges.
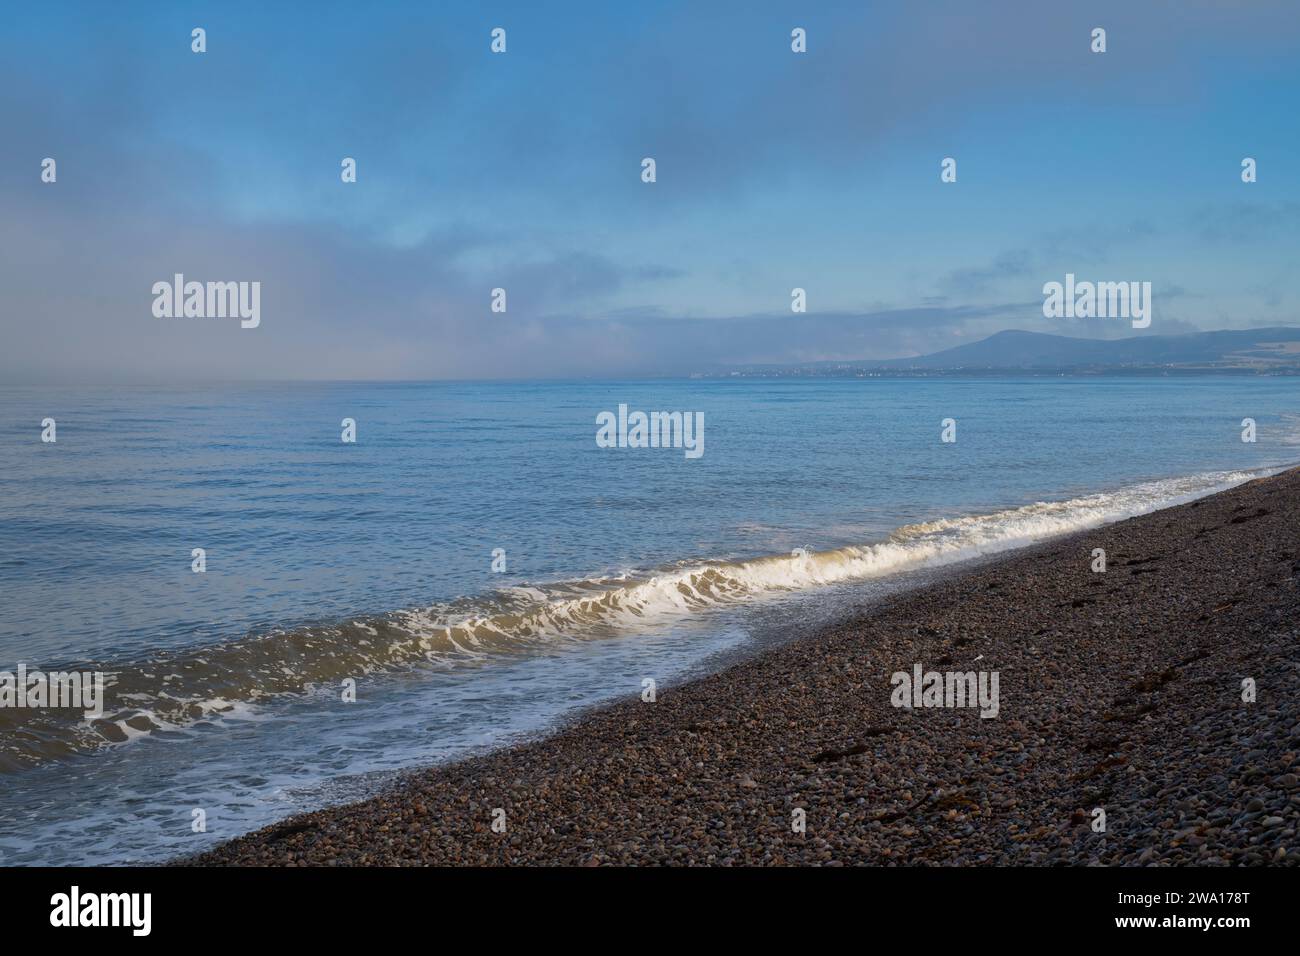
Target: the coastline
(1118, 690)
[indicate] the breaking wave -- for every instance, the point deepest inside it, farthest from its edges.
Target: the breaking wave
(171, 691)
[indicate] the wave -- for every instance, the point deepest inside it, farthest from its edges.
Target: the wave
(172, 691)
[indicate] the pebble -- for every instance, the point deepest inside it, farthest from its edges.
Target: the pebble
(1117, 691)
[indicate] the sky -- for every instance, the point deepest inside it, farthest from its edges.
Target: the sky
(522, 170)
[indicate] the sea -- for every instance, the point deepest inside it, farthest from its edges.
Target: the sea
(285, 620)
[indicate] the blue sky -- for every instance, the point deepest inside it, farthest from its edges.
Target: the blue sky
(522, 170)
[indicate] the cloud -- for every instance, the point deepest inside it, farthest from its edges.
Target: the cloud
(1248, 221)
(520, 172)
(1014, 263)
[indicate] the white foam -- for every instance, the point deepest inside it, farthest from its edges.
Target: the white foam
(617, 604)
(525, 618)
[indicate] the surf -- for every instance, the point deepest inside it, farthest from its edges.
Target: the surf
(173, 690)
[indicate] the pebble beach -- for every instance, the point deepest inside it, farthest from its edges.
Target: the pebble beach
(1125, 691)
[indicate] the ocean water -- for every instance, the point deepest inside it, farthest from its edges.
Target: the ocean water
(379, 563)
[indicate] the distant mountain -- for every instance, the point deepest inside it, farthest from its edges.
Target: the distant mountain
(1266, 351)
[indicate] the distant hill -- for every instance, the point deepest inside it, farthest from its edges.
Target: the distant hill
(1258, 351)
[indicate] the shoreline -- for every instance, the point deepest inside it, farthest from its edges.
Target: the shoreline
(1119, 691)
